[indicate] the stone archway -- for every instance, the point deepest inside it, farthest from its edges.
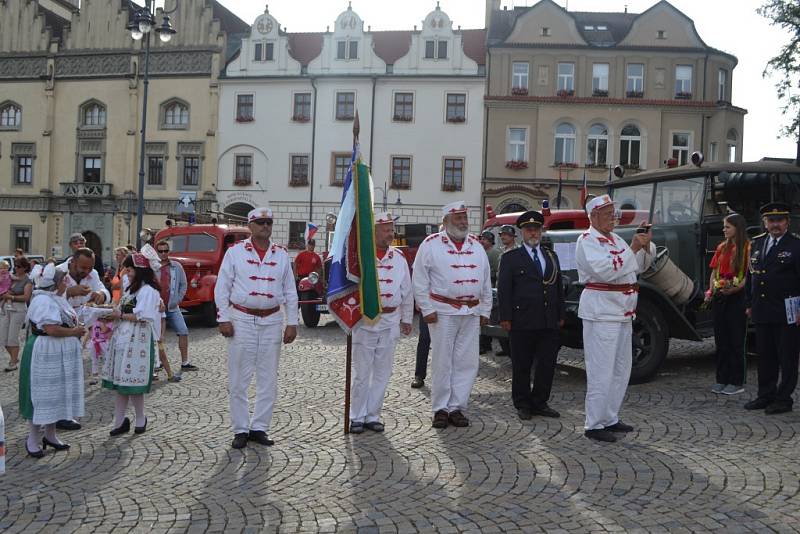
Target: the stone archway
(238, 209)
(94, 242)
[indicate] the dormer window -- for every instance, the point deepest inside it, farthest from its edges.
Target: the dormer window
(264, 52)
(588, 28)
(602, 28)
(347, 50)
(435, 49)
(661, 34)
(545, 31)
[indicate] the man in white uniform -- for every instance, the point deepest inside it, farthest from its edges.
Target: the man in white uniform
(453, 290)
(608, 267)
(374, 344)
(255, 279)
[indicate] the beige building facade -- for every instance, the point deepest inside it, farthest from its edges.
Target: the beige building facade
(71, 93)
(575, 93)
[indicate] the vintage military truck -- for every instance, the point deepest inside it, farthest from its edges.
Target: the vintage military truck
(686, 206)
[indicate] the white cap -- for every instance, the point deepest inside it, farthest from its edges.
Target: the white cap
(259, 213)
(384, 217)
(45, 280)
(454, 207)
(598, 202)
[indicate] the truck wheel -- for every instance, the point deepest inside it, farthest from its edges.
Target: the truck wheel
(650, 342)
(209, 314)
(309, 311)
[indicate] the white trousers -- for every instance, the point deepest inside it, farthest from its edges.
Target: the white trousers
(373, 358)
(454, 363)
(253, 349)
(607, 350)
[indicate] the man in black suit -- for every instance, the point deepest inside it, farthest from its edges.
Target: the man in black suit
(531, 306)
(774, 276)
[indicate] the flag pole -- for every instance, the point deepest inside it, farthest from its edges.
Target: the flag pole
(349, 356)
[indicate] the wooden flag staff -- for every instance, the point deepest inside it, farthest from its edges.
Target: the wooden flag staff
(349, 357)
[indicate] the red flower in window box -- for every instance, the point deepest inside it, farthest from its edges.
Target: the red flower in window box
(402, 118)
(244, 119)
(683, 96)
(672, 162)
(519, 91)
(600, 93)
(400, 186)
(242, 181)
(298, 182)
(565, 92)
(516, 165)
(634, 94)
(301, 118)
(566, 165)
(450, 187)
(457, 119)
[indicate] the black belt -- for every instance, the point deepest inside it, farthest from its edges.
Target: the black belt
(36, 332)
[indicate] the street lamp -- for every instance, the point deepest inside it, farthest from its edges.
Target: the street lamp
(385, 194)
(144, 21)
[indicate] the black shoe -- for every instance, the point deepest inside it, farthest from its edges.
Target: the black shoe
(33, 454)
(260, 437)
(457, 419)
(524, 414)
(375, 426)
(356, 427)
(777, 407)
(124, 428)
(188, 367)
(601, 435)
(619, 426)
(240, 440)
(545, 411)
(68, 424)
(57, 446)
(141, 429)
(440, 419)
(417, 382)
(757, 404)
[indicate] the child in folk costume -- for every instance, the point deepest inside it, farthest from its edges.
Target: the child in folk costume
(128, 366)
(98, 339)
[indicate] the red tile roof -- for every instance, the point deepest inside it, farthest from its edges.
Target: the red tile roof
(474, 42)
(304, 47)
(391, 45)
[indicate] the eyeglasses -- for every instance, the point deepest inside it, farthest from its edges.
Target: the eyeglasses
(262, 222)
(163, 251)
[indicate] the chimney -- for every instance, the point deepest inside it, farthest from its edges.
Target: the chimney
(491, 6)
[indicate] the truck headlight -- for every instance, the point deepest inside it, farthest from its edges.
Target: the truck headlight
(313, 278)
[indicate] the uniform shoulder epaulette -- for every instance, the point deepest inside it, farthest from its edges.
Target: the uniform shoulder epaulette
(277, 246)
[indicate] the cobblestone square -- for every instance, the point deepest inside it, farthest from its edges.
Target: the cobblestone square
(696, 462)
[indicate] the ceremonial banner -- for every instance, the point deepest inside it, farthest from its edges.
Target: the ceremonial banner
(311, 230)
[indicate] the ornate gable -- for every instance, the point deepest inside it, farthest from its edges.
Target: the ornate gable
(545, 23)
(663, 25)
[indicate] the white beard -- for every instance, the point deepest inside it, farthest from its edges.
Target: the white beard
(533, 243)
(455, 232)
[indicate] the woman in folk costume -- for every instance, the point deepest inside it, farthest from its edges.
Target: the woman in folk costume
(51, 368)
(128, 366)
(726, 293)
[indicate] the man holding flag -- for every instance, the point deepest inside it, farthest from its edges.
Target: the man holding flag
(453, 290)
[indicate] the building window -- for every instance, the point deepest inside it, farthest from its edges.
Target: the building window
(722, 86)
(341, 164)
(175, 115)
(244, 108)
(191, 171)
(92, 166)
(403, 107)
(565, 144)
(243, 174)
(634, 86)
(345, 106)
(731, 143)
(630, 143)
(566, 79)
(453, 175)
(297, 230)
(301, 111)
(264, 52)
(680, 147)
(299, 170)
(347, 50)
(544, 31)
(155, 171)
(456, 107)
(401, 172)
(597, 146)
(519, 78)
(93, 114)
(661, 34)
(517, 144)
(600, 79)
(24, 171)
(713, 151)
(21, 238)
(10, 117)
(435, 49)
(683, 81)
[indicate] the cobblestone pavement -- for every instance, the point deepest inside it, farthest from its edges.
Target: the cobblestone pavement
(696, 462)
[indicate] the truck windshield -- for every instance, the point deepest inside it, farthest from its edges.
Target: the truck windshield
(201, 243)
(679, 201)
(634, 200)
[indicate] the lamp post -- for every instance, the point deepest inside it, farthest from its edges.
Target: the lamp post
(384, 191)
(144, 22)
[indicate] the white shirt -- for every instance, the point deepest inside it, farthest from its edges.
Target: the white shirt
(249, 281)
(394, 280)
(442, 269)
(538, 252)
(91, 280)
(772, 241)
(608, 260)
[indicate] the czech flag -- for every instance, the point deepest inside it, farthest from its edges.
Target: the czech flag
(311, 230)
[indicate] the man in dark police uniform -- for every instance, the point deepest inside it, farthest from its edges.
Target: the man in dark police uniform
(774, 275)
(531, 306)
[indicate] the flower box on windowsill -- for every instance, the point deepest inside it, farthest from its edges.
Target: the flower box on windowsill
(596, 166)
(400, 186)
(683, 96)
(631, 166)
(566, 165)
(298, 182)
(344, 118)
(450, 187)
(244, 119)
(456, 119)
(242, 182)
(301, 118)
(634, 94)
(672, 162)
(519, 91)
(516, 165)
(565, 92)
(402, 118)
(600, 93)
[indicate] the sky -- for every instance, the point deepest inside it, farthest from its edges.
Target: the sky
(729, 25)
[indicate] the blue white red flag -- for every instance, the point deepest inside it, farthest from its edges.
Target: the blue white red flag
(584, 189)
(311, 230)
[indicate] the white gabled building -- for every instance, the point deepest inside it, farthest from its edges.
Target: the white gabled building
(287, 102)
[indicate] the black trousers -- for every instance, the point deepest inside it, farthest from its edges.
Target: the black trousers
(529, 348)
(730, 331)
(423, 348)
(778, 349)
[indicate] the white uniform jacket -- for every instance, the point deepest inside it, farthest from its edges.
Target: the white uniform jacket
(248, 281)
(441, 269)
(608, 260)
(395, 285)
(92, 281)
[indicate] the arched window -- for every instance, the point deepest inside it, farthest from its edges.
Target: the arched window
(565, 144)
(630, 145)
(175, 114)
(10, 116)
(93, 114)
(597, 145)
(731, 139)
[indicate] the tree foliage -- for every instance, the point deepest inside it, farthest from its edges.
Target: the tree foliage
(786, 65)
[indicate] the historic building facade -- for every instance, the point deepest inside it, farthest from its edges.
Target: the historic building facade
(70, 115)
(287, 104)
(574, 93)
